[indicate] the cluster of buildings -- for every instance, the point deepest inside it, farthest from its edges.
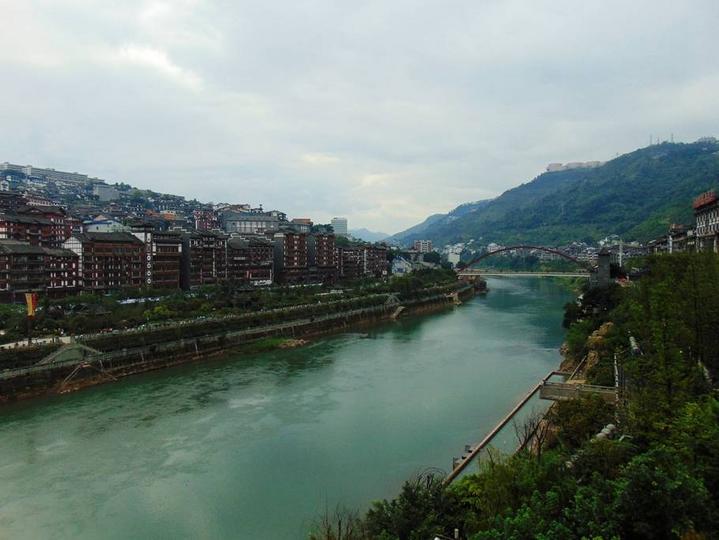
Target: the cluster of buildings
(556, 167)
(420, 257)
(115, 240)
(703, 237)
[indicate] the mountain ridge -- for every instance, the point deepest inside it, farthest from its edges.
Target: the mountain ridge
(636, 195)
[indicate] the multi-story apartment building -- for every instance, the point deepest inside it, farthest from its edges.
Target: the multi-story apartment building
(362, 261)
(73, 225)
(204, 258)
(162, 259)
(322, 257)
(56, 215)
(205, 220)
(32, 230)
(301, 224)
(251, 222)
(38, 226)
(423, 246)
(22, 268)
(706, 212)
(27, 268)
(166, 259)
(374, 261)
(350, 263)
(108, 261)
(36, 198)
(62, 271)
(250, 259)
(11, 201)
(680, 239)
(290, 255)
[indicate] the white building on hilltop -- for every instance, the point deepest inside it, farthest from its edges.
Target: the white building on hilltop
(339, 224)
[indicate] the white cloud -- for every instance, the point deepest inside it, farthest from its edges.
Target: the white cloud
(158, 61)
(319, 159)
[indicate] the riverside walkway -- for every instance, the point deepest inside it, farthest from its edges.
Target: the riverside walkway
(547, 390)
(459, 465)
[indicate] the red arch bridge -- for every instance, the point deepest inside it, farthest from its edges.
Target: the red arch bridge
(465, 269)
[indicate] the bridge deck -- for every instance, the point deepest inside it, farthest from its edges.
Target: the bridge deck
(521, 274)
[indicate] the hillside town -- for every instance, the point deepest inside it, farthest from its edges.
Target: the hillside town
(62, 232)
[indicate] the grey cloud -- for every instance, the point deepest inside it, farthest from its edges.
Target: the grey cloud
(408, 108)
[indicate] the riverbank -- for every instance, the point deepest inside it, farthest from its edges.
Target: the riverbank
(80, 365)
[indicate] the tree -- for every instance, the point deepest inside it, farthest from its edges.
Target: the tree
(432, 257)
(343, 524)
(423, 509)
(532, 433)
(658, 497)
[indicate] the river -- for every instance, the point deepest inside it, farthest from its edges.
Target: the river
(258, 447)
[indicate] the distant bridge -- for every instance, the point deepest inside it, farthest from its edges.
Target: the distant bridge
(471, 272)
(463, 267)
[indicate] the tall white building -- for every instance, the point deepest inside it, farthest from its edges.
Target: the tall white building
(339, 224)
(423, 246)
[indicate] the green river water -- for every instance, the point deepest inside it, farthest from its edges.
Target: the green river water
(258, 447)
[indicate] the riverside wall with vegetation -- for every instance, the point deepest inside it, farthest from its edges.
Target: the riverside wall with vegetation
(656, 477)
(132, 309)
(159, 345)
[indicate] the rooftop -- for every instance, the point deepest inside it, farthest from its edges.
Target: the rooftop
(107, 237)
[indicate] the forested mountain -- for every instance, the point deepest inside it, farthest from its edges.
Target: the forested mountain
(637, 196)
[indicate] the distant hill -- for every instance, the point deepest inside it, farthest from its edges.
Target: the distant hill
(637, 196)
(367, 235)
(435, 221)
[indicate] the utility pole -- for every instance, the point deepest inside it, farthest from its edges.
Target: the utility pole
(616, 389)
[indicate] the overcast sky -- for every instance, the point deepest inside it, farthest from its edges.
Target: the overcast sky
(382, 111)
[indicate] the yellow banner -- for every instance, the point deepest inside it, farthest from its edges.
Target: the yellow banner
(31, 300)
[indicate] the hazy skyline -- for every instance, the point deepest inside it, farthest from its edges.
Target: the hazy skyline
(383, 112)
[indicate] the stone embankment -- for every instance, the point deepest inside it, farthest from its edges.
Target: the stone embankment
(98, 359)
